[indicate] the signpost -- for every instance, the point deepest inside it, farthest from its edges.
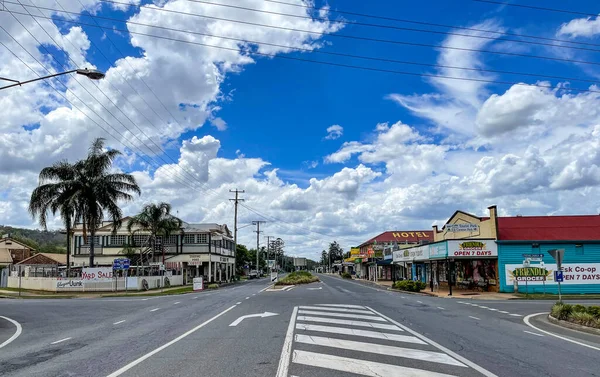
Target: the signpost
(558, 255)
(122, 264)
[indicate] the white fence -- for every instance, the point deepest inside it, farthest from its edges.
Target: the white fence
(135, 283)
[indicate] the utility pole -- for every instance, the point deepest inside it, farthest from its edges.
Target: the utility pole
(257, 223)
(269, 249)
(236, 200)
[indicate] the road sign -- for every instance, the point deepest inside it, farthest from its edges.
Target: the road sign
(558, 255)
(558, 276)
(121, 264)
(526, 263)
(534, 257)
(261, 315)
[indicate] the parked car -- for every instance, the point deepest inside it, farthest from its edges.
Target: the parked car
(253, 274)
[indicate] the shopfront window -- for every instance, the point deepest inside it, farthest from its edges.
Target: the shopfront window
(473, 273)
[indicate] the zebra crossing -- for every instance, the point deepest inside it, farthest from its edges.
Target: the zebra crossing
(341, 340)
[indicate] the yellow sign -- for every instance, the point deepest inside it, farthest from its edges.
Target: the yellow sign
(355, 251)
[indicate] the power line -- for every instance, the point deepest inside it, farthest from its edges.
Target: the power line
(362, 57)
(435, 24)
(537, 8)
(335, 35)
(510, 83)
(114, 104)
(349, 23)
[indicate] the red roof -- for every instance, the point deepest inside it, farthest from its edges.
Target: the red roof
(549, 228)
(402, 236)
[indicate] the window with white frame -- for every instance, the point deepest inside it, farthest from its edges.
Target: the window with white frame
(118, 240)
(189, 238)
(171, 240)
(140, 239)
(203, 238)
(89, 240)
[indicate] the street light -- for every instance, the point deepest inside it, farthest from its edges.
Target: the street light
(92, 74)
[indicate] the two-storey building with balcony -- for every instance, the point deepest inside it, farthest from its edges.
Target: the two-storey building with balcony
(196, 250)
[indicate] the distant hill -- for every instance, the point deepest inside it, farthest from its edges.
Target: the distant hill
(41, 241)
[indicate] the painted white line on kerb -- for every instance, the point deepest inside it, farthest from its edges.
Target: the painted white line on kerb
(479, 319)
(532, 333)
(155, 309)
(481, 370)
(267, 287)
(284, 359)
(60, 341)
(527, 318)
(150, 354)
(116, 323)
(15, 335)
(439, 307)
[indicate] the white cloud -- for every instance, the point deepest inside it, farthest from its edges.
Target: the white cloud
(580, 27)
(334, 132)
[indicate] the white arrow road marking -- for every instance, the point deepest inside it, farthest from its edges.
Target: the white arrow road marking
(16, 334)
(261, 315)
(60, 341)
(314, 289)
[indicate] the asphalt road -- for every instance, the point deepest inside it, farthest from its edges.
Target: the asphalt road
(333, 328)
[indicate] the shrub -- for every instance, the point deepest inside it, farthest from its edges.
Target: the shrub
(562, 311)
(213, 286)
(347, 275)
(409, 285)
(298, 277)
(594, 310)
(583, 318)
(579, 308)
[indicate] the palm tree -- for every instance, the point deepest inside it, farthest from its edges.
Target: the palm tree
(85, 191)
(50, 197)
(157, 220)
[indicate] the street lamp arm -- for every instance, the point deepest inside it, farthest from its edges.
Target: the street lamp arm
(92, 74)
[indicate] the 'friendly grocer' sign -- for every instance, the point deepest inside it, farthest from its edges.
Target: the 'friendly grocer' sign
(573, 273)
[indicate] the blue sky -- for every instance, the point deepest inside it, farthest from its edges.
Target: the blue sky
(412, 149)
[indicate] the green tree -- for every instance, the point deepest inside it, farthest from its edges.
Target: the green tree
(157, 220)
(242, 258)
(335, 251)
(86, 191)
(324, 258)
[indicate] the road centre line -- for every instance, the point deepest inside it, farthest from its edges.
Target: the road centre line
(176, 302)
(493, 309)
(479, 319)
(516, 315)
(239, 302)
(182, 336)
(381, 349)
(439, 307)
(60, 341)
(502, 311)
(478, 368)
(155, 309)
(420, 302)
(286, 350)
(247, 298)
(527, 318)
(532, 333)
(15, 335)
(116, 323)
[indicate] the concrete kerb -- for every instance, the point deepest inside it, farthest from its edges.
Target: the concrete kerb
(573, 326)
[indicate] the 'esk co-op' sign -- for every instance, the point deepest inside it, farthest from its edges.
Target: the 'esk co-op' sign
(472, 249)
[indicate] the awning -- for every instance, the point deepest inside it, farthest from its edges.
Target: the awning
(385, 262)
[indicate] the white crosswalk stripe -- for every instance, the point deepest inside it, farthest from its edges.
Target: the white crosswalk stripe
(348, 322)
(342, 310)
(343, 315)
(358, 340)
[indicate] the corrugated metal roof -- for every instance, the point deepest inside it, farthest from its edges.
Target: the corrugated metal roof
(549, 228)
